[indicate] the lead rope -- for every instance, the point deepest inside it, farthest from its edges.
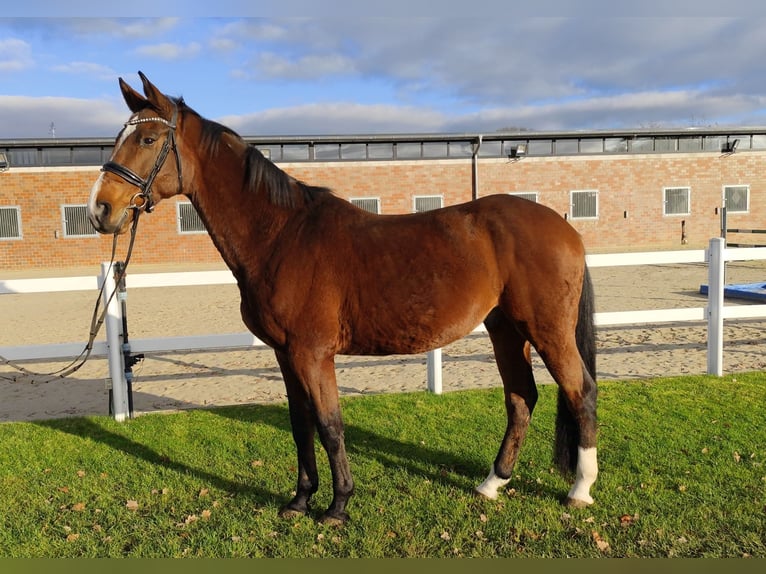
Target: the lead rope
(97, 320)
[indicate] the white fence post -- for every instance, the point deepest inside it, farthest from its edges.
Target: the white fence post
(113, 325)
(434, 368)
(715, 259)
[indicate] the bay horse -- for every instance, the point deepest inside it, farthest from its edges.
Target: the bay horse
(320, 277)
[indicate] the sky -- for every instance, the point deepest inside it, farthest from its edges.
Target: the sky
(351, 73)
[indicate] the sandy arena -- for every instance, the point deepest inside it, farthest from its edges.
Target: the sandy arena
(171, 381)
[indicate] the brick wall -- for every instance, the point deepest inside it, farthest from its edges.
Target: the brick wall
(630, 190)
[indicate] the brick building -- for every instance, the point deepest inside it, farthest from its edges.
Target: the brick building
(641, 190)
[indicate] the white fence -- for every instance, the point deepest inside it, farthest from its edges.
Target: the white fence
(112, 347)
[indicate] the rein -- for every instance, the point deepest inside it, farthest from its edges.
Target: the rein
(97, 320)
(147, 204)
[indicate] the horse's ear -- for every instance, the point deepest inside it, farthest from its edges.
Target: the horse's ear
(135, 101)
(156, 98)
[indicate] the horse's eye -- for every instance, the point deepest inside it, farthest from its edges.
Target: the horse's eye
(148, 140)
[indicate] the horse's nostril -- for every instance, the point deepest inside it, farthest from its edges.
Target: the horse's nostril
(105, 208)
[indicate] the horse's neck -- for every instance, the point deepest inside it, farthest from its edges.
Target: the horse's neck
(242, 223)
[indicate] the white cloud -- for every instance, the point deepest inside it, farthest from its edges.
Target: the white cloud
(15, 55)
(25, 117)
(91, 69)
(308, 67)
(336, 118)
(131, 28)
(169, 51)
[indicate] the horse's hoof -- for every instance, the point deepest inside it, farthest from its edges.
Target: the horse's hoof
(334, 520)
(484, 495)
(290, 513)
(576, 503)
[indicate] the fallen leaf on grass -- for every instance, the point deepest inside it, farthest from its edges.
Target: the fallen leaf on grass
(445, 535)
(601, 544)
(204, 492)
(72, 537)
(256, 463)
(737, 457)
(132, 505)
(626, 520)
(78, 507)
(205, 514)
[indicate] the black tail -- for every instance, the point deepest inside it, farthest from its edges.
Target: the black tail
(567, 428)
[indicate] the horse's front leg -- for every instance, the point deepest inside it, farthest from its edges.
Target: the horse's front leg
(316, 372)
(303, 425)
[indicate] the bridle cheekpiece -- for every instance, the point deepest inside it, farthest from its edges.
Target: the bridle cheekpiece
(145, 185)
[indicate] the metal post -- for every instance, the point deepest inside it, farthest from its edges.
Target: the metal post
(128, 359)
(715, 259)
(434, 368)
(113, 325)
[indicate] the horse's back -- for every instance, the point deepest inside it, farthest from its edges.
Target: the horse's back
(414, 282)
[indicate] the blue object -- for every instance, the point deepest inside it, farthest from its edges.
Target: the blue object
(752, 291)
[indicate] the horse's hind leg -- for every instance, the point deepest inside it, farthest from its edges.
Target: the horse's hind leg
(514, 363)
(575, 420)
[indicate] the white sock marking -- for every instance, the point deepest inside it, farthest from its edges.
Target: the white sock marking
(587, 471)
(491, 485)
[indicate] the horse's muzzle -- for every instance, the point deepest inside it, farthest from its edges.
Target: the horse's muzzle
(103, 220)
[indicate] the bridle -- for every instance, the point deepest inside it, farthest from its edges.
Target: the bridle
(147, 204)
(145, 185)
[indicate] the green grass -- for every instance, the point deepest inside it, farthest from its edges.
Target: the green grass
(682, 474)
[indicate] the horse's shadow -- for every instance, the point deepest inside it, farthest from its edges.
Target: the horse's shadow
(438, 466)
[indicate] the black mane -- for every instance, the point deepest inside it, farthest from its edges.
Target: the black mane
(284, 190)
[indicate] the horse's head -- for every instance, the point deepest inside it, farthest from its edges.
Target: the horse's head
(138, 176)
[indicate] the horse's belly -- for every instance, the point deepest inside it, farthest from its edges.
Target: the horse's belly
(414, 334)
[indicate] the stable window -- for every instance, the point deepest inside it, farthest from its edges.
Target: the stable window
(736, 198)
(56, 156)
(409, 150)
(676, 201)
(435, 149)
(371, 204)
(76, 222)
(528, 195)
(566, 147)
(353, 151)
(380, 151)
(584, 204)
(427, 202)
(189, 220)
(88, 156)
(10, 222)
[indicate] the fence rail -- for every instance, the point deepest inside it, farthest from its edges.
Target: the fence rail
(714, 313)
